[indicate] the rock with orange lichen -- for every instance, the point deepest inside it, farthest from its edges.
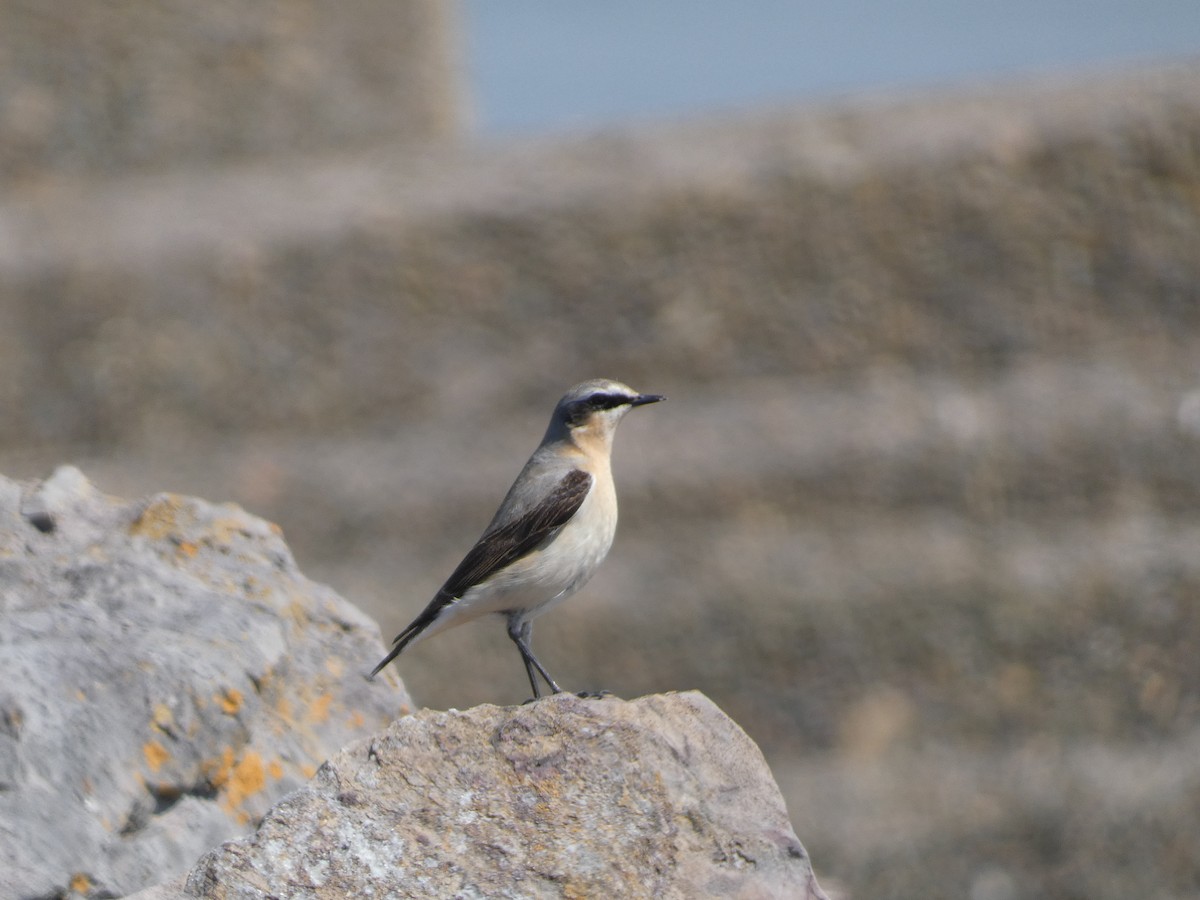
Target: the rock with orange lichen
(167, 674)
(664, 796)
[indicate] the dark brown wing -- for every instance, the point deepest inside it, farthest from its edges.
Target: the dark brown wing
(504, 545)
(498, 548)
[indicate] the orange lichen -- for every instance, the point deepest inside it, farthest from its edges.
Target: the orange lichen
(166, 519)
(163, 717)
(318, 710)
(156, 754)
(275, 769)
(230, 701)
(297, 611)
(247, 778)
(237, 780)
(218, 770)
(80, 883)
(159, 519)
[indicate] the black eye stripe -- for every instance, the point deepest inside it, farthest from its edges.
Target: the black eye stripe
(606, 401)
(578, 411)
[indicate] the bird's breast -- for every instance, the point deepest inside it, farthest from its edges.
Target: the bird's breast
(579, 548)
(563, 564)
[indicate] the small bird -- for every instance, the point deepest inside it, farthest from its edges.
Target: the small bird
(551, 533)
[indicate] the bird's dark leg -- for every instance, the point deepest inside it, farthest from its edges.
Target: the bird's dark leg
(520, 632)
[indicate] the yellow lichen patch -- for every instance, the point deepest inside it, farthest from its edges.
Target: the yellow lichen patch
(318, 710)
(165, 519)
(238, 780)
(357, 720)
(284, 707)
(335, 667)
(80, 883)
(308, 769)
(225, 531)
(159, 519)
(230, 701)
(248, 777)
(297, 611)
(156, 754)
(275, 769)
(163, 717)
(217, 771)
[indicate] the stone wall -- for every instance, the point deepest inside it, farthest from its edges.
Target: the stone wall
(107, 88)
(956, 233)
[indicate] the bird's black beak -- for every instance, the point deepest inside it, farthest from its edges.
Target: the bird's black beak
(643, 399)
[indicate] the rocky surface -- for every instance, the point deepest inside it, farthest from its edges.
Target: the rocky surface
(664, 796)
(166, 675)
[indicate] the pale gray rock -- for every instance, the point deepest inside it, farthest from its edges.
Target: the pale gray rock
(167, 675)
(664, 796)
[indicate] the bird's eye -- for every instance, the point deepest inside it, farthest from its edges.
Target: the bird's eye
(578, 411)
(600, 401)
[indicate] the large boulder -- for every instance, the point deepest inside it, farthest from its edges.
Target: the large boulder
(167, 674)
(170, 680)
(664, 796)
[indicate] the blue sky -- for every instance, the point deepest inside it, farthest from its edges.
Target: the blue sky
(545, 64)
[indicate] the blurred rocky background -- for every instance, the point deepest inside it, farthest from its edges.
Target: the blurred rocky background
(921, 513)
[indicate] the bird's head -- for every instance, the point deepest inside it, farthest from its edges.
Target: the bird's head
(590, 411)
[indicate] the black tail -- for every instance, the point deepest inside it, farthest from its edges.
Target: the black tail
(404, 638)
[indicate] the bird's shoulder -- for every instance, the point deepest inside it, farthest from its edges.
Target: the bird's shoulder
(545, 481)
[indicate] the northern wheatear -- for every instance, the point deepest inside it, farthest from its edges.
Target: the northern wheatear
(552, 530)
